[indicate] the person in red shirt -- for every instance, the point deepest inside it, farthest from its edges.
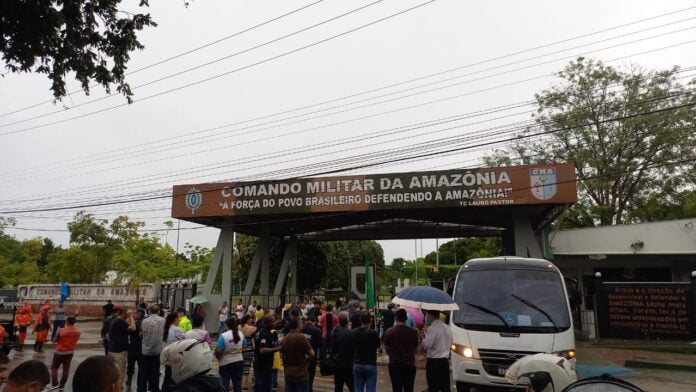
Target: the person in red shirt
(328, 321)
(22, 321)
(2, 337)
(65, 347)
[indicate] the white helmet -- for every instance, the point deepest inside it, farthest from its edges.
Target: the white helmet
(542, 372)
(187, 358)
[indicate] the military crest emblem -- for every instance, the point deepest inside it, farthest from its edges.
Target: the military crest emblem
(193, 200)
(543, 182)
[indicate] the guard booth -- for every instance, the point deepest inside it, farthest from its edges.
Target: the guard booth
(516, 203)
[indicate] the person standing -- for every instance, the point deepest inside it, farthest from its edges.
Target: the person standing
(2, 337)
(58, 319)
(342, 351)
(22, 322)
(252, 308)
(142, 305)
(41, 327)
(437, 342)
(222, 317)
(297, 354)
(366, 343)
(108, 308)
(239, 309)
(259, 313)
(66, 343)
(328, 322)
(265, 344)
(401, 343)
(355, 317)
(152, 329)
(199, 311)
(172, 334)
(4, 362)
(228, 351)
(120, 327)
(248, 331)
(198, 332)
(135, 346)
(310, 330)
(388, 317)
(184, 323)
(106, 324)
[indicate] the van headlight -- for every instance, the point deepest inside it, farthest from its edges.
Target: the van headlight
(567, 354)
(462, 350)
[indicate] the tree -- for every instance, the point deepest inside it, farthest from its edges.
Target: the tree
(465, 249)
(620, 164)
(92, 39)
(320, 264)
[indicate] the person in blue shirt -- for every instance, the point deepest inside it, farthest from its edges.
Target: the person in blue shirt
(409, 321)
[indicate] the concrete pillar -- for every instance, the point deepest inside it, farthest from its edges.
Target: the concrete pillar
(261, 262)
(289, 258)
(223, 255)
(527, 244)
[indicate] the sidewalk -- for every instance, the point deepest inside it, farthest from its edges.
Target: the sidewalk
(90, 338)
(641, 367)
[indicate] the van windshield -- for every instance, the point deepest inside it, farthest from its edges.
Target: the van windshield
(523, 301)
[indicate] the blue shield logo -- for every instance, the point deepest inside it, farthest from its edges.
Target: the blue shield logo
(194, 199)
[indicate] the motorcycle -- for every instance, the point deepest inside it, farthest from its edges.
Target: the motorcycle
(551, 373)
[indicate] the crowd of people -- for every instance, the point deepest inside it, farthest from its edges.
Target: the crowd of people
(343, 341)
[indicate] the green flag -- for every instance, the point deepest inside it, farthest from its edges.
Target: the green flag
(369, 289)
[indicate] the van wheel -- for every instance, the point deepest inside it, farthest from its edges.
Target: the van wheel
(463, 387)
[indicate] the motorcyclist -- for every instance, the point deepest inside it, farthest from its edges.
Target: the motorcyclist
(191, 361)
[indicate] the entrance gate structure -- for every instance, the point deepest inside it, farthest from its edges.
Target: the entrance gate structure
(516, 203)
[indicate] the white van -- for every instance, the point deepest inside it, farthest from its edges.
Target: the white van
(509, 307)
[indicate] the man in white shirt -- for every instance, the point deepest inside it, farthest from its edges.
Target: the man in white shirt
(152, 330)
(222, 316)
(252, 309)
(437, 342)
(238, 310)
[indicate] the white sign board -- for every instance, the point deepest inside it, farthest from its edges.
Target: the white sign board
(357, 280)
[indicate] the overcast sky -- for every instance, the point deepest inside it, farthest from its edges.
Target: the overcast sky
(233, 126)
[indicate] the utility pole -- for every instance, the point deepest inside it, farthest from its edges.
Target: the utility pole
(415, 257)
(437, 254)
(178, 231)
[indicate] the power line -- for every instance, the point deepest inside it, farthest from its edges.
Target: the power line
(101, 155)
(592, 177)
(176, 56)
(264, 157)
(201, 65)
(361, 166)
(269, 59)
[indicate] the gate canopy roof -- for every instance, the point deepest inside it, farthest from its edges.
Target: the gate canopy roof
(445, 204)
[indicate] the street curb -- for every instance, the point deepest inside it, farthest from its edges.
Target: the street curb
(659, 365)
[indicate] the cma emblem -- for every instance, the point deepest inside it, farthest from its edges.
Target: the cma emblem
(543, 181)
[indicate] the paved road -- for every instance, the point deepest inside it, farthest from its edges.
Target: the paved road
(649, 380)
(321, 384)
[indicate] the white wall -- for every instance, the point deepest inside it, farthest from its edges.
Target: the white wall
(668, 237)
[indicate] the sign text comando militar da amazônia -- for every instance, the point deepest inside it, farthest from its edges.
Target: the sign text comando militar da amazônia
(485, 186)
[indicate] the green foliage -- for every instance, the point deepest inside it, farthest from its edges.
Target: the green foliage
(321, 265)
(462, 249)
(96, 247)
(90, 39)
(620, 165)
